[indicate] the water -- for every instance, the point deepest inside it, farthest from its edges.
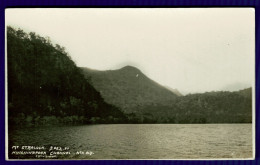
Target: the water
(141, 141)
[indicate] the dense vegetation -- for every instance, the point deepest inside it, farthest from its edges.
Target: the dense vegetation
(210, 107)
(44, 85)
(147, 102)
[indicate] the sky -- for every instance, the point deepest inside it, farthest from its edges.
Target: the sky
(193, 50)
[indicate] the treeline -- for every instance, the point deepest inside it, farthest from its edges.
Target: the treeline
(209, 107)
(44, 85)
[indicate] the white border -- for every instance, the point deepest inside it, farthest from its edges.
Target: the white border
(253, 104)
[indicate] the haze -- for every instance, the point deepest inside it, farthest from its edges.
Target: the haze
(193, 50)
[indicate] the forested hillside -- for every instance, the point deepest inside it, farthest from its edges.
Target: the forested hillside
(209, 107)
(148, 102)
(45, 84)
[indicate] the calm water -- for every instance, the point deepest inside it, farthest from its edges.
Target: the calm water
(141, 141)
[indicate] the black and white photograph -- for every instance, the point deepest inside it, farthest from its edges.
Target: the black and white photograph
(130, 83)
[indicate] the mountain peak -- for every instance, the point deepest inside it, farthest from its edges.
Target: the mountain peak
(129, 67)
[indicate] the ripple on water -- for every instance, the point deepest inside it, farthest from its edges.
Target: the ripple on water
(144, 141)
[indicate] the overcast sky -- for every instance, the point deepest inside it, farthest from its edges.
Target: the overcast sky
(193, 50)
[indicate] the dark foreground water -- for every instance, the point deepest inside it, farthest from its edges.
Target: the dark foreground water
(133, 141)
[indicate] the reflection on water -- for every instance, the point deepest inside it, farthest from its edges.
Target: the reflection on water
(142, 141)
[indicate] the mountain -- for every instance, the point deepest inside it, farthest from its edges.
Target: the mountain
(146, 101)
(46, 87)
(128, 88)
(45, 84)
